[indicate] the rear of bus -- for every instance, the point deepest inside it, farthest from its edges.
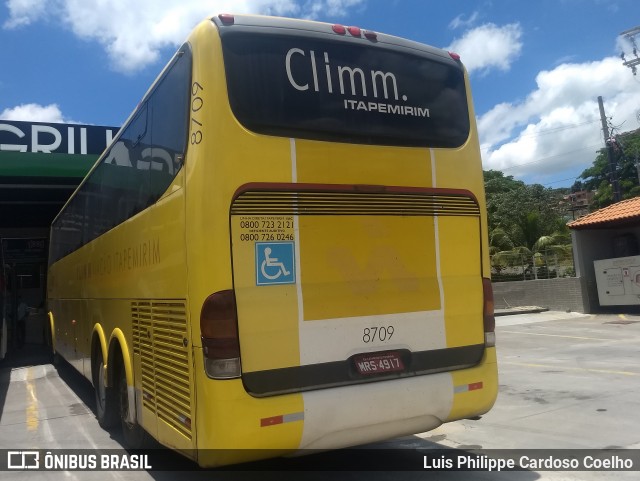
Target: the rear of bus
(336, 239)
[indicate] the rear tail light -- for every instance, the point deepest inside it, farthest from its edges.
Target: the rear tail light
(488, 317)
(219, 329)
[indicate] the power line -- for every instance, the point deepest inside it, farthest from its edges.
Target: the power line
(553, 130)
(551, 157)
(559, 129)
(561, 180)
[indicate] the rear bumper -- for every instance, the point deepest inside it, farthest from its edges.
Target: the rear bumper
(353, 415)
(235, 427)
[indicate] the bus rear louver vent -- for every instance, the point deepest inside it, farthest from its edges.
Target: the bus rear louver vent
(160, 338)
(308, 202)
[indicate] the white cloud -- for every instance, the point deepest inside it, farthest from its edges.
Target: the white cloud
(34, 113)
(460, 21)
(556, 128)
(332, 8)
(24, 12)
(133, 37)
(489, 46)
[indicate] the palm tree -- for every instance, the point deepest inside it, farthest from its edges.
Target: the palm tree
(500, 245)
(499, 240)
(553, 246)
(534, 250)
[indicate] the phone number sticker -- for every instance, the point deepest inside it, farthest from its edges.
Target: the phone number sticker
(266, 228)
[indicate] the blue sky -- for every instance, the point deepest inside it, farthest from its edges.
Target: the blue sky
(536, 67)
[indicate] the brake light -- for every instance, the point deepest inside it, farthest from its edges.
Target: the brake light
(454, 56)
(219, 330)
(488, 317)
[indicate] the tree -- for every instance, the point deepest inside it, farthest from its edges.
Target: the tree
(499, 240)
(578, 186)
(495, 182)
(526, 224)
(626, 151)
(524, 212)
(496, 186)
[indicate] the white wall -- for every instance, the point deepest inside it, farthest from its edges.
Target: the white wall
(591, 245)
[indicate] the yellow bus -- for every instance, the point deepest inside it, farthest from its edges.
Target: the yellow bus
(284, 248)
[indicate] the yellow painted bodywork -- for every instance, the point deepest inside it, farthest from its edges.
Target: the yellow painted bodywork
(90, 291)
(189, 240)
(367, 266)
(477, 401)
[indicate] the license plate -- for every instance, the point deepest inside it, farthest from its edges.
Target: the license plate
(378, 363)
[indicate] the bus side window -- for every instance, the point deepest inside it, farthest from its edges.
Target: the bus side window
(169, 124)
(137, 168)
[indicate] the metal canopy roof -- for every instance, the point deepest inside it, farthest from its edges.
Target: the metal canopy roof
(33, 202)
(41, 164)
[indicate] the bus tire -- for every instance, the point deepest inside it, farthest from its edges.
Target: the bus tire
(135, 437)
(106, 399)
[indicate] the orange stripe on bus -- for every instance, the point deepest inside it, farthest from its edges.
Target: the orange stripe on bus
(272, 421)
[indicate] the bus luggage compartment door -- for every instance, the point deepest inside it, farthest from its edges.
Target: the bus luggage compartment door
(331, 297)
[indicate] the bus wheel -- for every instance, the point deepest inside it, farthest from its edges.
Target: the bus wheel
(54, 357)
(105, 396)
(135, 437)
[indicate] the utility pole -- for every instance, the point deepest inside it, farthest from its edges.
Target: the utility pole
(630, 37)
(610, 155)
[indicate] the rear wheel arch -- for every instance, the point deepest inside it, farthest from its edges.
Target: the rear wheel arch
(52, 332)
(120, 369)
(120, 360)
(50, 339)
(119, 353)
(98, 344)
(106, 395)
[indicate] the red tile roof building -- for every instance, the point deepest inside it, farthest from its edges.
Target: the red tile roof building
(623, 212)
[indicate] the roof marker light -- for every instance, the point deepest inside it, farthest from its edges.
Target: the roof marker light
(355, 31)
(226, 18)
(339, 29)
(370, 35)
(454, 56)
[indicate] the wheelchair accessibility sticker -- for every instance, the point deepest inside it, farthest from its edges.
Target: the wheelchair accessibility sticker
(275, 263)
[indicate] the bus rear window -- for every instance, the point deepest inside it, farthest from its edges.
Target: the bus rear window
(314, 88)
